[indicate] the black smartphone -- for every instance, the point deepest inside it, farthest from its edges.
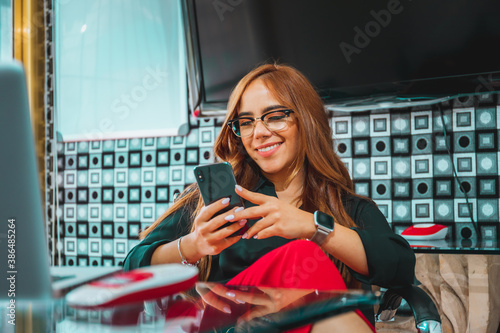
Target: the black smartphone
(216, 181)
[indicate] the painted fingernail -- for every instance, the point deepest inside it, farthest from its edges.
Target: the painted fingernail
(245, 235)
(227, 309)
(225, 201)
(239, 301)
(255, 237)
(239, 209)
(229, 217)
(230, 294)
(242, 222)
(239, 188)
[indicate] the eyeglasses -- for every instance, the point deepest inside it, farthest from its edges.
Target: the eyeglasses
(274, 121)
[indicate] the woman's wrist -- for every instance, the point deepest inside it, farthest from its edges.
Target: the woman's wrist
(310, 228)
(187, 249)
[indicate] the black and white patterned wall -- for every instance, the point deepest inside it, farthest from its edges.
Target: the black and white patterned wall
(401, 160)
(110, 190)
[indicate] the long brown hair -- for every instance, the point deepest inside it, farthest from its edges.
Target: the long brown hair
(327, 180)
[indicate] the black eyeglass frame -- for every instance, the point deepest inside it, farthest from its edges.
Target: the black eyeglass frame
(231, 122)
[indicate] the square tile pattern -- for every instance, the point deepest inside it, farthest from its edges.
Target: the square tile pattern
(401, 161)
(108, 191)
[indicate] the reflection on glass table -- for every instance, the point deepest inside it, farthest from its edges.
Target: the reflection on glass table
(213, 307)
(463, 246)
(462, 237)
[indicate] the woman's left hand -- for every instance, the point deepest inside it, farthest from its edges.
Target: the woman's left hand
(278, 218)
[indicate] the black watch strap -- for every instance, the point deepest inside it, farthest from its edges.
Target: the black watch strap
(324, 226)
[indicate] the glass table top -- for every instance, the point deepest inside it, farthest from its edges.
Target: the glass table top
(208, 307)
(461, 238)
(456, 246)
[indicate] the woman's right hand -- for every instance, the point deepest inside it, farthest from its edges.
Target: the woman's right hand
(207, 238)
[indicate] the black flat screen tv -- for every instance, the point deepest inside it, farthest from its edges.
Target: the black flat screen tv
(355, 52)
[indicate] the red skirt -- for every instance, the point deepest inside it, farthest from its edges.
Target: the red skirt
(300, 264)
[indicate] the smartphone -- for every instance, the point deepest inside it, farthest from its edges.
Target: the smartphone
(216, 181)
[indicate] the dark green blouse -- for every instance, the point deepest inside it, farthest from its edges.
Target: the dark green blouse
(391, 261)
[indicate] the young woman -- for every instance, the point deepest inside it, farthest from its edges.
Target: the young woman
(278, 139)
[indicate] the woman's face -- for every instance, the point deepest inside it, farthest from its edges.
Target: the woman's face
(272, 151)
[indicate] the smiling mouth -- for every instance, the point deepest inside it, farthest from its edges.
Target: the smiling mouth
(269, 148)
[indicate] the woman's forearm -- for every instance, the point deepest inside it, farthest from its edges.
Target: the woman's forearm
(169, 252)
(345, 244)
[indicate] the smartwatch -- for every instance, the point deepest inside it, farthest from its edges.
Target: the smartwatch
(324, 226)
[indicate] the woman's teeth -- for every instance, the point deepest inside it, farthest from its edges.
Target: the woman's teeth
(269, 148)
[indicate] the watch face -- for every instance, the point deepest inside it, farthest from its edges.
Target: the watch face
(325, 220)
